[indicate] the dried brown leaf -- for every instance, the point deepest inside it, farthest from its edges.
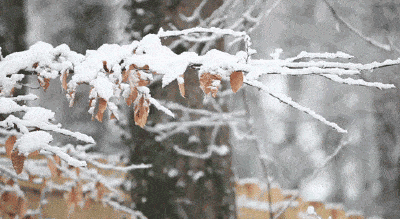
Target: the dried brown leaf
(57, 159)
(88, 201)
(10, 144)
(44, 83)
(52, 167)
(64, 80)
(141, 82)
(11, 91)
(17, 161)
(112, 116)
(125, 76)
(101, 190)
(33, 154)
(132, 96)
(102, 108)
(142, 112)
(35, 65)
(105, 67)
(236, 80)
(181, 87)
(55, 172)
(206, 80)
(145, 67)
(10, 182)
(22, 207)
(9, 203)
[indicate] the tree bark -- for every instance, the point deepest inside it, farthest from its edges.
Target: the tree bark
(159, 193)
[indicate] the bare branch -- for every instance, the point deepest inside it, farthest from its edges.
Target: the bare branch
(359, 33)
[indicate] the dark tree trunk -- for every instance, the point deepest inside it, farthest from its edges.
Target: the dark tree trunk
(159, 192)
(12, 26)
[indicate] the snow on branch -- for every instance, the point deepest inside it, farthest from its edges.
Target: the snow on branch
(196, 13)
(219, 150)
(85, 157)
(360, 82)
(215, 119)
(218, 32)
(325, 55)
(115, 71)
(295, 105)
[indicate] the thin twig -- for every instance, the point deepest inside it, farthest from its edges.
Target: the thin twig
(359, 33)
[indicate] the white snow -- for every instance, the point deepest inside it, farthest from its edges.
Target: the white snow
(32, 141)
(38, 114)
(104, 87)
(8, 106)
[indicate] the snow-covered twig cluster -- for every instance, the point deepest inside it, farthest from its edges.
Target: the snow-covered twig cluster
(82, 186)
(118, 73)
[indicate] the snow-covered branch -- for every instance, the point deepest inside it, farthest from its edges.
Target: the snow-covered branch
(295, 105)
(116, 72)
(219, 150)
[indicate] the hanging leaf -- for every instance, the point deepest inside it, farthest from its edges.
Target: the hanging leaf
(10, 144)
(35, 65)
(44, 82)
(181, 84)
(132, 96)
(71, 95)
(17, 161)
(64, 80)
(206, 83)
(105, 67)
(236, 80)
(55, 172)
(22, 207)
(101, 189)
(88, 201)
(125, 76)
(10, 182)
(141, 112)
(142, 82)
(33, 154)
(74, 197)
(9, 203)
(102, 108)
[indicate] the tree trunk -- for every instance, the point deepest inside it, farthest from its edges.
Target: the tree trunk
(172, 188)
(12, 26)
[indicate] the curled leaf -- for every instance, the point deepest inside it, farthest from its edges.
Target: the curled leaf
(101, 189)
(132, 96)
(181, 84)
(55, 172)
(102, 108)
(105, 67)
(207, 83)
(125, 76)
(17, 161)
(142, 112)
(236, 80)
(33, 154)
(10, 144)
(35, 65)
(64, 80)
(74, 197)
(9, 203)
(44, 82)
